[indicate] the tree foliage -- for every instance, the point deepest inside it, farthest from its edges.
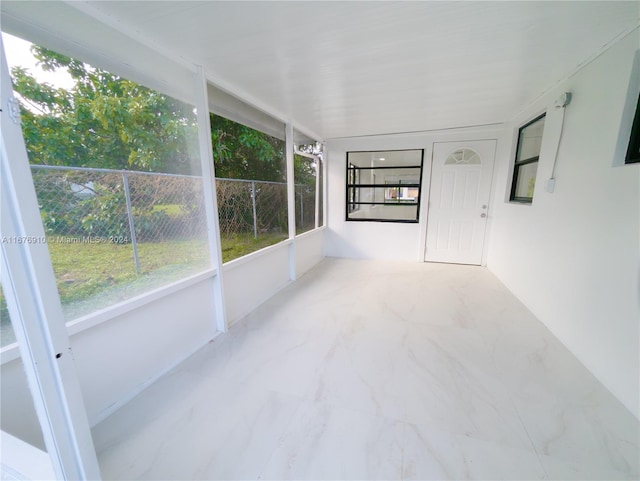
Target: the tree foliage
(103, 121)
(241, 152)
(106, 121)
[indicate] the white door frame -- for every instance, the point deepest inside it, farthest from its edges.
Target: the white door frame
(429, 176)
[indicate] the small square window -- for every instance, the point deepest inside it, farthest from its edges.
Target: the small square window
(526, 163)
(384, 186)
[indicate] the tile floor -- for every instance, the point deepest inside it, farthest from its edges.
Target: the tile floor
(377, 370)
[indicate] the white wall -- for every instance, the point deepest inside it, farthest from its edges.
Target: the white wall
(309, 250)
(384, 240)
(573, 256)
(119, 357)
(252, 279)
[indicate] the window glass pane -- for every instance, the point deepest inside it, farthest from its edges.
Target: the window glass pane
(397, 212)
(526, 180)
(251, 184)
(321, 191)
(530, 140)
(6, 330)
(306, 171)
(384, 185)
(305, 188)
(385, 195)
(116, 169)
(463, 157)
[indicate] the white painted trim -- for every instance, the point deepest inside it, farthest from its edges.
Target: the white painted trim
(418, 133)
(318, 194)
(210, 197)
(253, 255)
(425, 191)
(291, 198)
(10, 353)
(34, 305)
(86, 322)
(311, 232)
(324, 185)
(20, 460)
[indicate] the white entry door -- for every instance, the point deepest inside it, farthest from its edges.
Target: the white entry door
(459, 201)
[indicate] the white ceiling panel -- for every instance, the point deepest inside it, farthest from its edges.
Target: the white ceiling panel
(361, 68)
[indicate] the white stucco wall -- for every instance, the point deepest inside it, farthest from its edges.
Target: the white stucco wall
(573, 256)
(251, 280)
(118, 357)
(384, 240)
(309, 250)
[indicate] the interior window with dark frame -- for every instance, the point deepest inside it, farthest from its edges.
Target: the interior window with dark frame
(353, 179)
(633, 150)
(384, 186)
(526, 162)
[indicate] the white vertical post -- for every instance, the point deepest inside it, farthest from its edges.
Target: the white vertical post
(34, 306)
(325, 168)
(291, 199)
(301, 205)
(210, 196)
(318, 193)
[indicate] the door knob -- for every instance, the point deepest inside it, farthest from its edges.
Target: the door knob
(483, 215)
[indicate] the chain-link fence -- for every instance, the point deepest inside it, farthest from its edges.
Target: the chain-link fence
(114, 234)
(100, 206)
(251, 206)
(86, 205)
(305, 208)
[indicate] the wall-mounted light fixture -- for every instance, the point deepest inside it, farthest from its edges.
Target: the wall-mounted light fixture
(561, 102)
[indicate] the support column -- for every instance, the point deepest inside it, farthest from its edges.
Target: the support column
(291, 200)
(210, 196)
(34, 305)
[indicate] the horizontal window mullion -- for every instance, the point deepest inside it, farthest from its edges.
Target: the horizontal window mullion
(527, 161)
(385, 167)
(393, 221)
(382, 186)
(393, 202)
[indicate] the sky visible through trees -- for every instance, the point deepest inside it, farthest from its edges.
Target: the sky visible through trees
(98, 119)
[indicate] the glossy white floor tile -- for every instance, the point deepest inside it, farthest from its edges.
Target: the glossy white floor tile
(377, 370)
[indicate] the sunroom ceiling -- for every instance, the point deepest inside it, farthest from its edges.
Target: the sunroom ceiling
(343, 69)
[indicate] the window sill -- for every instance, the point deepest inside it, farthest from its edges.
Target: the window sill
(11, 352)
(254, 255)
(520, 202)
(309, 233)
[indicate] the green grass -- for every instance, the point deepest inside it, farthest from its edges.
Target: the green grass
(173, 210)
(94, 276)
(85, 269)
(243, 244)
